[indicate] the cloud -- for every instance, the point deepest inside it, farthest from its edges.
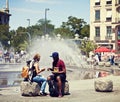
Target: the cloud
(26, 10)
(45, 1)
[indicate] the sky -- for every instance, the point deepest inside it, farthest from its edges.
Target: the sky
(59, 11)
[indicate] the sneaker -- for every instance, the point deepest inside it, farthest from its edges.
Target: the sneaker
(43, 94)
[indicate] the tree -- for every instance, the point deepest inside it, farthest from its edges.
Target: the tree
(68, 29)
(87, 46)
(64, 32)
(41, 27)
(4, 35)
(75, 25)
(19, 39)
(85, 32)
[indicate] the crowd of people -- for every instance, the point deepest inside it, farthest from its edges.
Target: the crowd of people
(11, 57)
(111, 57)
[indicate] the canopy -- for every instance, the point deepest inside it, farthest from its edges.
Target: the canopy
(102, 49)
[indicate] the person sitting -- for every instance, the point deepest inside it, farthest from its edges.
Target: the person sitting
(36, 77)
(58, 72)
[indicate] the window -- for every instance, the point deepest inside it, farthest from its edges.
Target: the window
(97, 15)
(109, 15)
(108, 1)
(97, 31)
(97, 2)
(117, 2)
(109, 30)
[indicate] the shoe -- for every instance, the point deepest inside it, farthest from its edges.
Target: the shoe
(43, 94)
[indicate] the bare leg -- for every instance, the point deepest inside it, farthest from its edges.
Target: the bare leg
(59, 85)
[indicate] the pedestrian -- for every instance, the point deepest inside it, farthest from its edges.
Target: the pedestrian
(58, 72)
(37, 77)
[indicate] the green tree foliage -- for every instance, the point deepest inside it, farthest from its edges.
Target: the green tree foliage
(20, 40)
(64, 32)
(87, 46)
(85, 32)
(4, 35)
(76, 26)
(39, 28)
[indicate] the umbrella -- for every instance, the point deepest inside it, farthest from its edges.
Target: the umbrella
(102, 49)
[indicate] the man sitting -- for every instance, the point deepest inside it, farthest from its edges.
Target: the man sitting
(58, 72)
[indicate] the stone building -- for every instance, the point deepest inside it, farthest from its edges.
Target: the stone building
(105, 23)
(4, 14)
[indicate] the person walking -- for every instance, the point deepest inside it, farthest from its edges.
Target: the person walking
(58, 72)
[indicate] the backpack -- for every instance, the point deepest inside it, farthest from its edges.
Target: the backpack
(53, 89)
(27, 71)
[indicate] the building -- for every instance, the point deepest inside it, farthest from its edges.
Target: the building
(4, 15)
(105, 23)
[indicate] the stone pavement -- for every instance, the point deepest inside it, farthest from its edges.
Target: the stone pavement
(80, 91)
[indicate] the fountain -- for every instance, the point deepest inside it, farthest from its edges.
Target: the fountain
(68, 52)
(45, 46)
(67, 49)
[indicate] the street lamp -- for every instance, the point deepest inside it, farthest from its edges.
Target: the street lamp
(29, 37)
(28, 22)
(46, 19)
(29, 29)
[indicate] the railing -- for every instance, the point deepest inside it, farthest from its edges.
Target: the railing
(108, 37)
(96, 38)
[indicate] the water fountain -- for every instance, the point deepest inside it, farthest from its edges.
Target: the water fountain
(68, 51)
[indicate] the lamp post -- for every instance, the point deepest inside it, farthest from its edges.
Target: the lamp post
(46, 20)
(28, 33)
(29, 37)
(28, 25)
(28, 22)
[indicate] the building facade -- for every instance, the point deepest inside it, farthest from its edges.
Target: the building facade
(105, 23)
(4, 14)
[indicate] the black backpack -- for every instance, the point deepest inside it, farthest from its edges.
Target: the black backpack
(53, 89)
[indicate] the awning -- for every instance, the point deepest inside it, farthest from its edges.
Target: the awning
(102, 49)
(97, 0)
(109, 14)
